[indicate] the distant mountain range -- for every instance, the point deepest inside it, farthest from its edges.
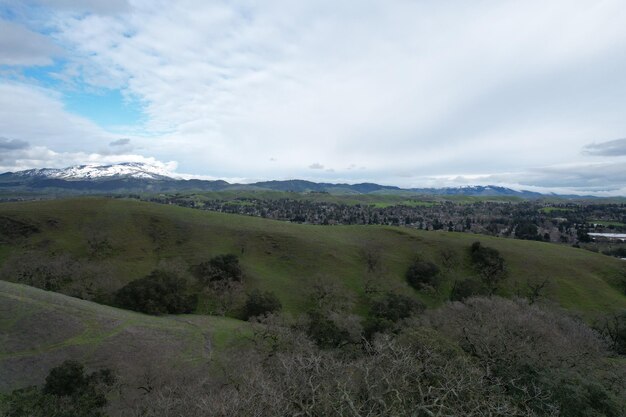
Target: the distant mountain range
(139, 177)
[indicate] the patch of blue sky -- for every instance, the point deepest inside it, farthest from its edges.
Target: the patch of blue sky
(45, 76)
(7, 13)
(107, 108)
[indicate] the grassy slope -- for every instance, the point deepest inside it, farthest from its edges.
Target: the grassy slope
(40, 329)
(285, 257)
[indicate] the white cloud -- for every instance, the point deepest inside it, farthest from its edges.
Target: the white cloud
(20, 46)
(43, 157)
(615, 147)
(120, 142)
(12, 144)
(38, 132)
(37, 115)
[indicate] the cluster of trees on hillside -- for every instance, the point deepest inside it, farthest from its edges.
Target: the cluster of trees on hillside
(174, 289)
(476, 355)
(81, 278)
(484, 356)
(161, 292)
(69, 391)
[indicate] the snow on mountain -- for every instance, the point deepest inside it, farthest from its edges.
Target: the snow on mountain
(94, 172)
(100, 174)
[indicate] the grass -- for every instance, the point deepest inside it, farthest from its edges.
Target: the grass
(287, 258)
(608, 223)
(39, 329)
(551, 210)
(45, 328)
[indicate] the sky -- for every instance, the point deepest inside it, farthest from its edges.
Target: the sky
(526, 94)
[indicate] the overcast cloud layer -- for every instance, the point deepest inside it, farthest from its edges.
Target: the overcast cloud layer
(526, 94)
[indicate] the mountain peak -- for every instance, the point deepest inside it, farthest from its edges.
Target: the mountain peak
(137, 170)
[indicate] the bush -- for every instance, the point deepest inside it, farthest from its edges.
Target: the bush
(61, 273)
(68, 392)
(581, 398)
(260, 304)
(527, 230)
(386, 311)
(422, 275)
(613, 328)
(617, 252)
(489, 264)
(160, 292)
(219, 268)
(325, 332)
(392, 377)
(557, 360)
(394, 307)
(66, 379)
(466, 288)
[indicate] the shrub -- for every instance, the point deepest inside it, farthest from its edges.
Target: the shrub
(489, 264)
(466, 288)
(68, 392)
(394, 307)
(219, 268)
(260, 304)
(66, 379)
(422, 275)
(536, 352)
(527, 230)
(325, 332)
(391, 377)
(613, 328)
(581, 398)
(387, 310)
(160, 292)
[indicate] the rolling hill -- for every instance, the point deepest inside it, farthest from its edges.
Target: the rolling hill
(40, 329)
(287, 258)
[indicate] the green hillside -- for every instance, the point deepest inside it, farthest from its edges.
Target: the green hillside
(40, 329)
(287, 258)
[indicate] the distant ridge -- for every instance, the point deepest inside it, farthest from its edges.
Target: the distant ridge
(140, 177)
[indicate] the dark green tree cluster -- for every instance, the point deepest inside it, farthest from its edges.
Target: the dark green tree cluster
(261, 303)
(423, 275)
(387, 311)
(325, 332)
(161, 292)
(527, 230)
(465, 288)
(68, 392)
(489, 264)
(219, 268)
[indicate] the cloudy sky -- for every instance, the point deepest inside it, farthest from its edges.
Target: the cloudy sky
(529, 94)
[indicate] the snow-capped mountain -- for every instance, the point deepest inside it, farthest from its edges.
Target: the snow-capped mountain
(140, 177)
(477, 190)
(135, 170)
